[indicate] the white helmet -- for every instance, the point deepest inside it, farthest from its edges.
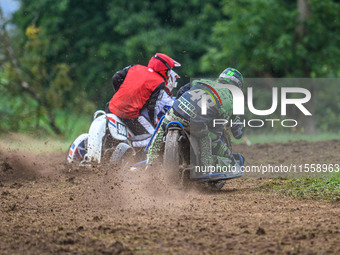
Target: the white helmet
(171, 82)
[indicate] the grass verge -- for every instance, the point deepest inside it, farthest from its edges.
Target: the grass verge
(23, 142)
(324, 189)
(285, 137)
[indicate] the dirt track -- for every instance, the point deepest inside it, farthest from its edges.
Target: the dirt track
(47, 208)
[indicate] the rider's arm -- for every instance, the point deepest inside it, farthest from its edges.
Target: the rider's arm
(119, 77)
(163, 104)
(152, 102)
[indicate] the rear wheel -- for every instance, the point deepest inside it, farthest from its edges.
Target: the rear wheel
(121, 155)
(171, 158)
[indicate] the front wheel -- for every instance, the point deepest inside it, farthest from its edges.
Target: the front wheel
(216, 185)
(171, 158)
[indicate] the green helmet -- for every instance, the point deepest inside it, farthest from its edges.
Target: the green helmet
(232, 76)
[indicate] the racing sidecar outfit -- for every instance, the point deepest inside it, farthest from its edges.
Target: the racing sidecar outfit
(187, 110)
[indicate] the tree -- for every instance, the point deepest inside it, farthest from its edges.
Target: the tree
(270, 38)
(38, 89)
(63, 54)
(98, 38)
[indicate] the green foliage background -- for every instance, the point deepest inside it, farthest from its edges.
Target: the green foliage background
(58, 59)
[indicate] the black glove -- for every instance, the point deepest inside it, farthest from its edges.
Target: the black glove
(182, 90)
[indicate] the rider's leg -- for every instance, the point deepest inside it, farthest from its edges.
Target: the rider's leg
(156, 144)
(223, 155)
(219, 147)
(140, 126)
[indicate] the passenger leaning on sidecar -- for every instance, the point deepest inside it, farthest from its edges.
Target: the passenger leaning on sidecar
(187, 110)
(143, 94)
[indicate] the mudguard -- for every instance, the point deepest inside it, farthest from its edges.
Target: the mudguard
(95, 139)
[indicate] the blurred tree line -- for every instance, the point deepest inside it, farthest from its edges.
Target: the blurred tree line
(58, 59)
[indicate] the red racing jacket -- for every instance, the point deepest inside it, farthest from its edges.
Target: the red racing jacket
(138, 86)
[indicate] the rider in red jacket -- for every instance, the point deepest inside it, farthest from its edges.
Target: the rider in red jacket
(138, 87)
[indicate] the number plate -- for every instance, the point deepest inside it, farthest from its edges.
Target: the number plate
(121, 129)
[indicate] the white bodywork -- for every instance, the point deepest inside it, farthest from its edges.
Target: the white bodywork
(95, 139)
(97, 131)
